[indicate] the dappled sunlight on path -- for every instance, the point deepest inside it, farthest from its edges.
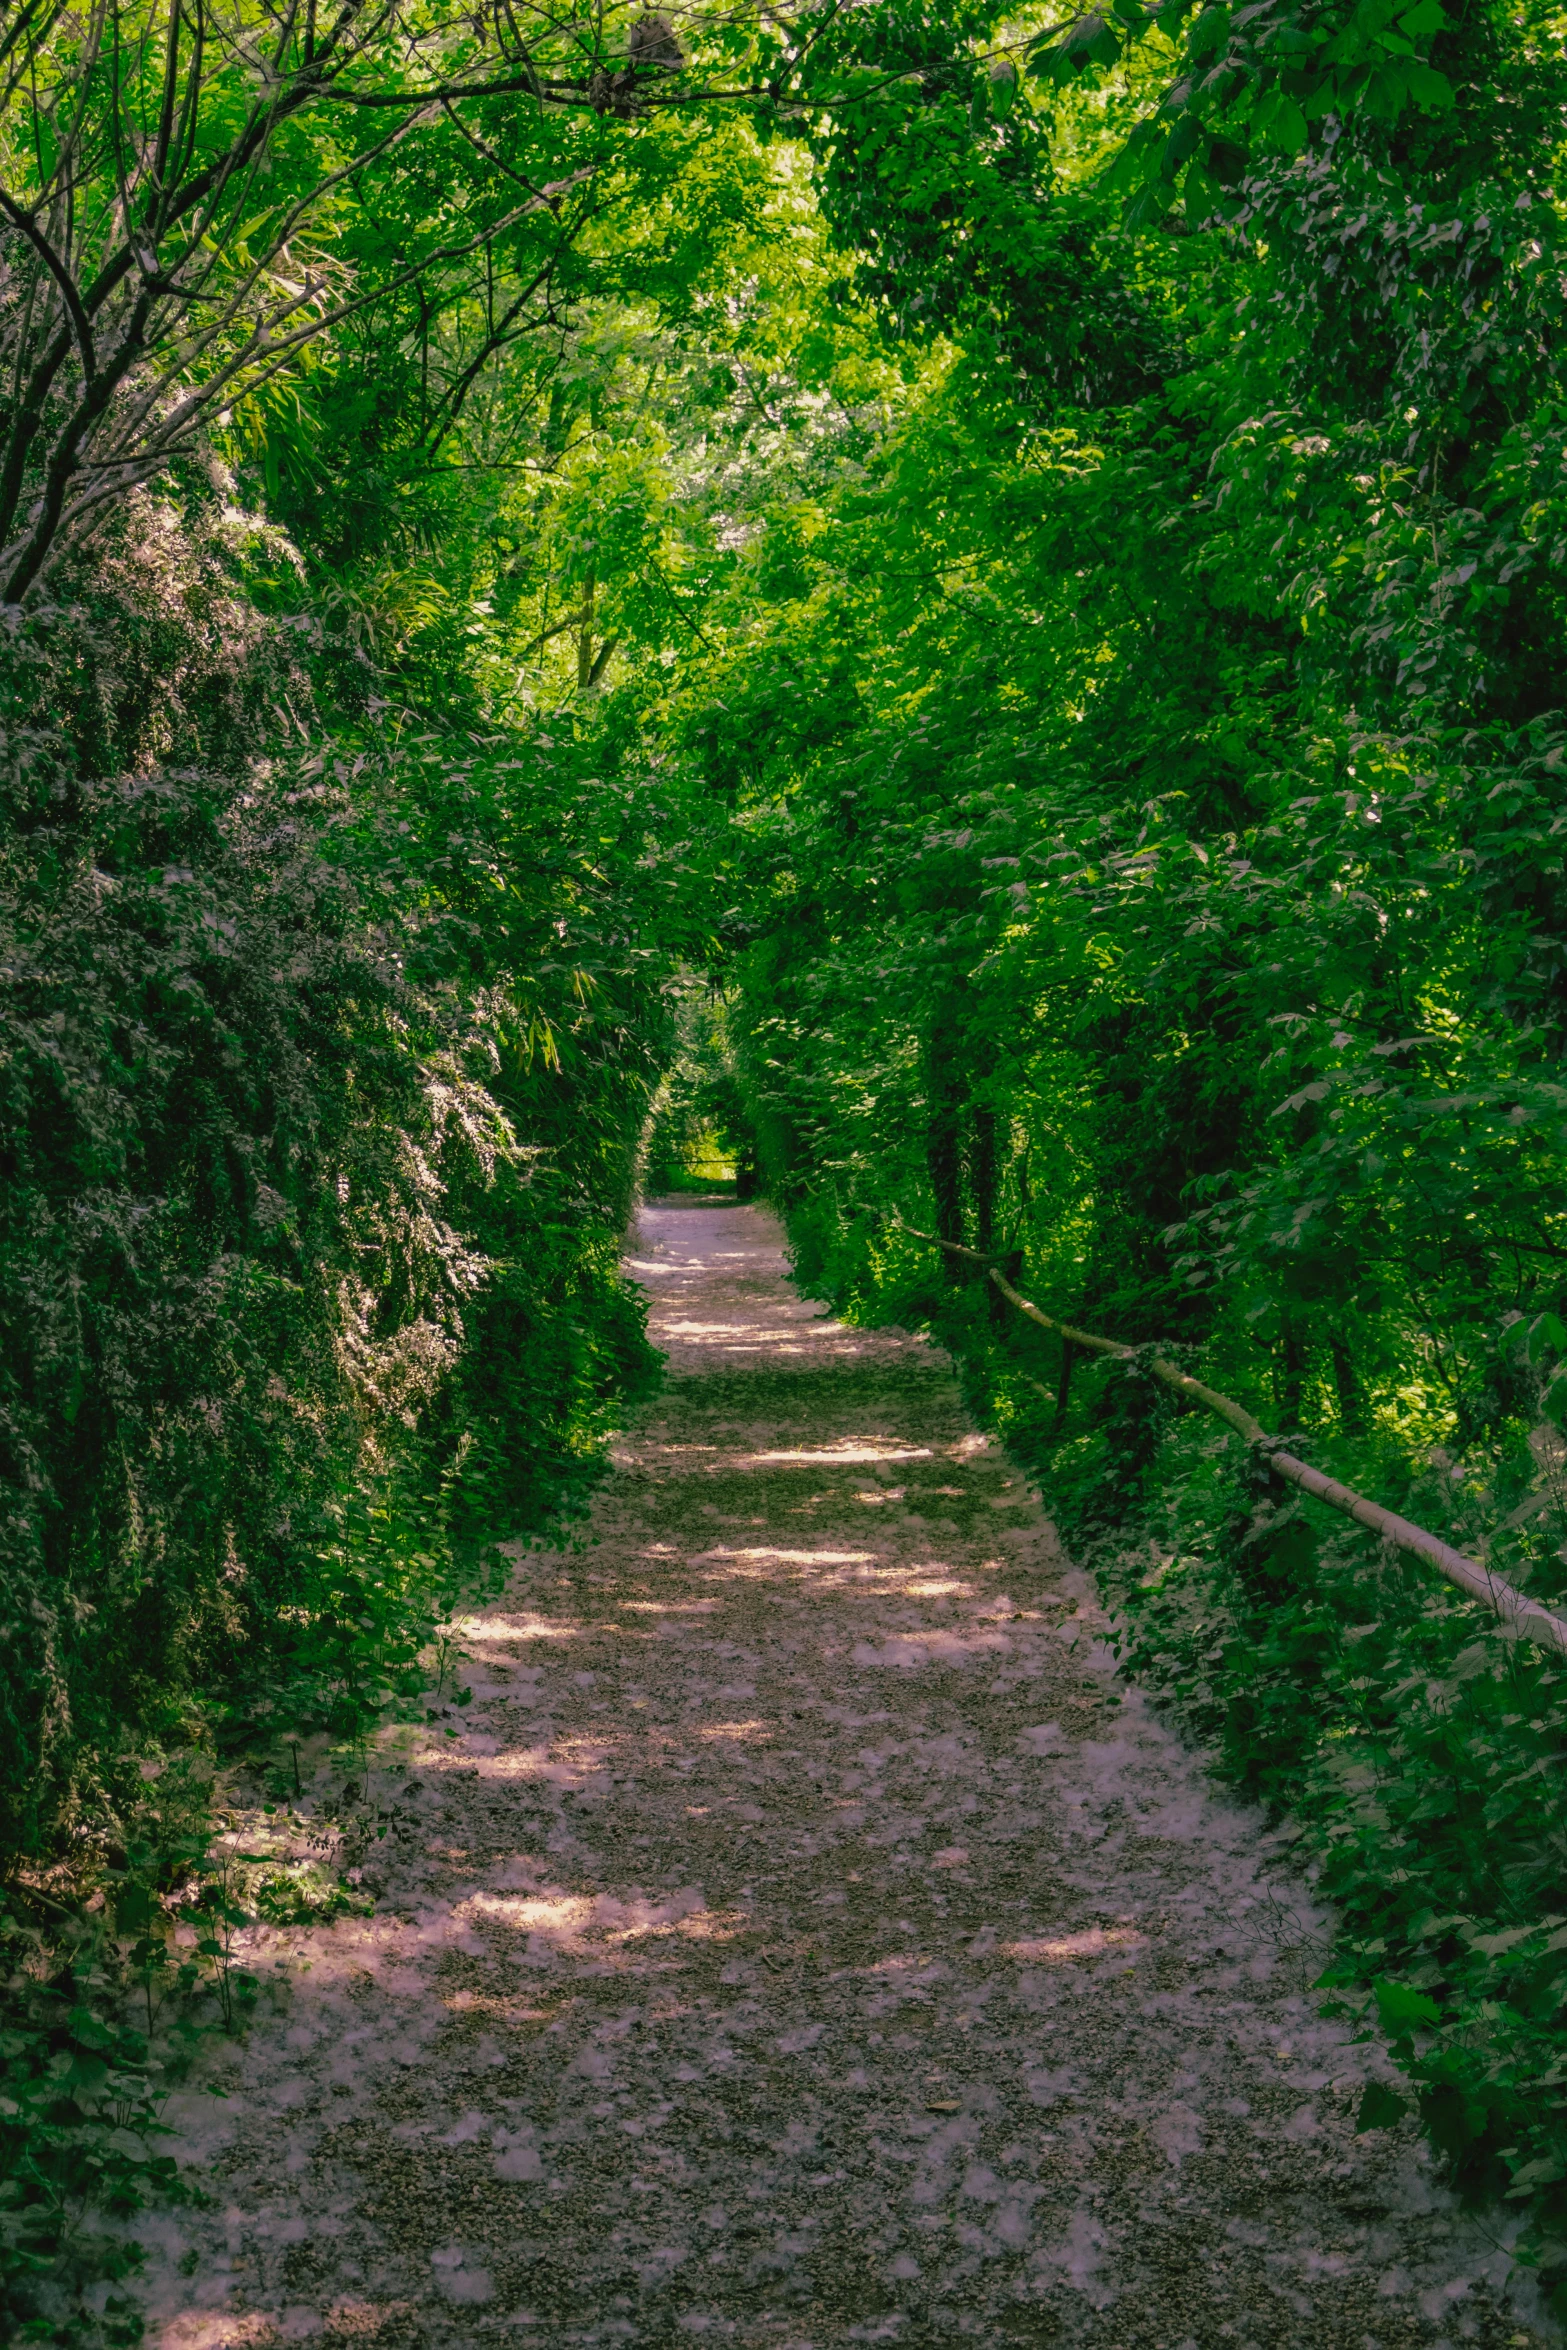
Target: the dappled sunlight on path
(802, 1938)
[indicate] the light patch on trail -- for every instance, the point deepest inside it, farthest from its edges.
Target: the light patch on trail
(1093, 1942)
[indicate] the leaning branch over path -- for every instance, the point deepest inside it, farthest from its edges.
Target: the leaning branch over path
(1532, 1621)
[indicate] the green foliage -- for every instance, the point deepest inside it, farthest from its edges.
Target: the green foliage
(339, 899)
(969, 626)
(1145, 751)
(264, 1174)
(81, 2095)
(697, 1136)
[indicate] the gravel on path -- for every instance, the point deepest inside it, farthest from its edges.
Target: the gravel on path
(804, 1938)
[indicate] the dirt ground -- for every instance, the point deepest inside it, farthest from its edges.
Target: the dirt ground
(804, 1938)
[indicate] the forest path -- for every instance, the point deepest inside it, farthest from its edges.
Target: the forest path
(803, 1938)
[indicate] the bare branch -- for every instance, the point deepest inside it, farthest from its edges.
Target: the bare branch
(26, 226)
(161, 287)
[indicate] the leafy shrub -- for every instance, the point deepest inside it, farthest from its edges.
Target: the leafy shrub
(81, 2092)
(298, 1318)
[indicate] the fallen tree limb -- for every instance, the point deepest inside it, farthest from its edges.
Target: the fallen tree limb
(1530, 1619)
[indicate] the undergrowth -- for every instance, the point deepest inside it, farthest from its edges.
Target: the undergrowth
(81, 2096)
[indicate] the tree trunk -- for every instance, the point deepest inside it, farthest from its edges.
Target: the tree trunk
(1064, 1383)
(982, 1175)
(945, 1094)
(1346, 1384)
(1289, 1377)
(585, 638)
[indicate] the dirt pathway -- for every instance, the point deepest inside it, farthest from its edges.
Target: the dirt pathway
(804, 1939)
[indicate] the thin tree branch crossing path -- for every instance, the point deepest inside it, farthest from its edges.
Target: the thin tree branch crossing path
(803, 1937)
